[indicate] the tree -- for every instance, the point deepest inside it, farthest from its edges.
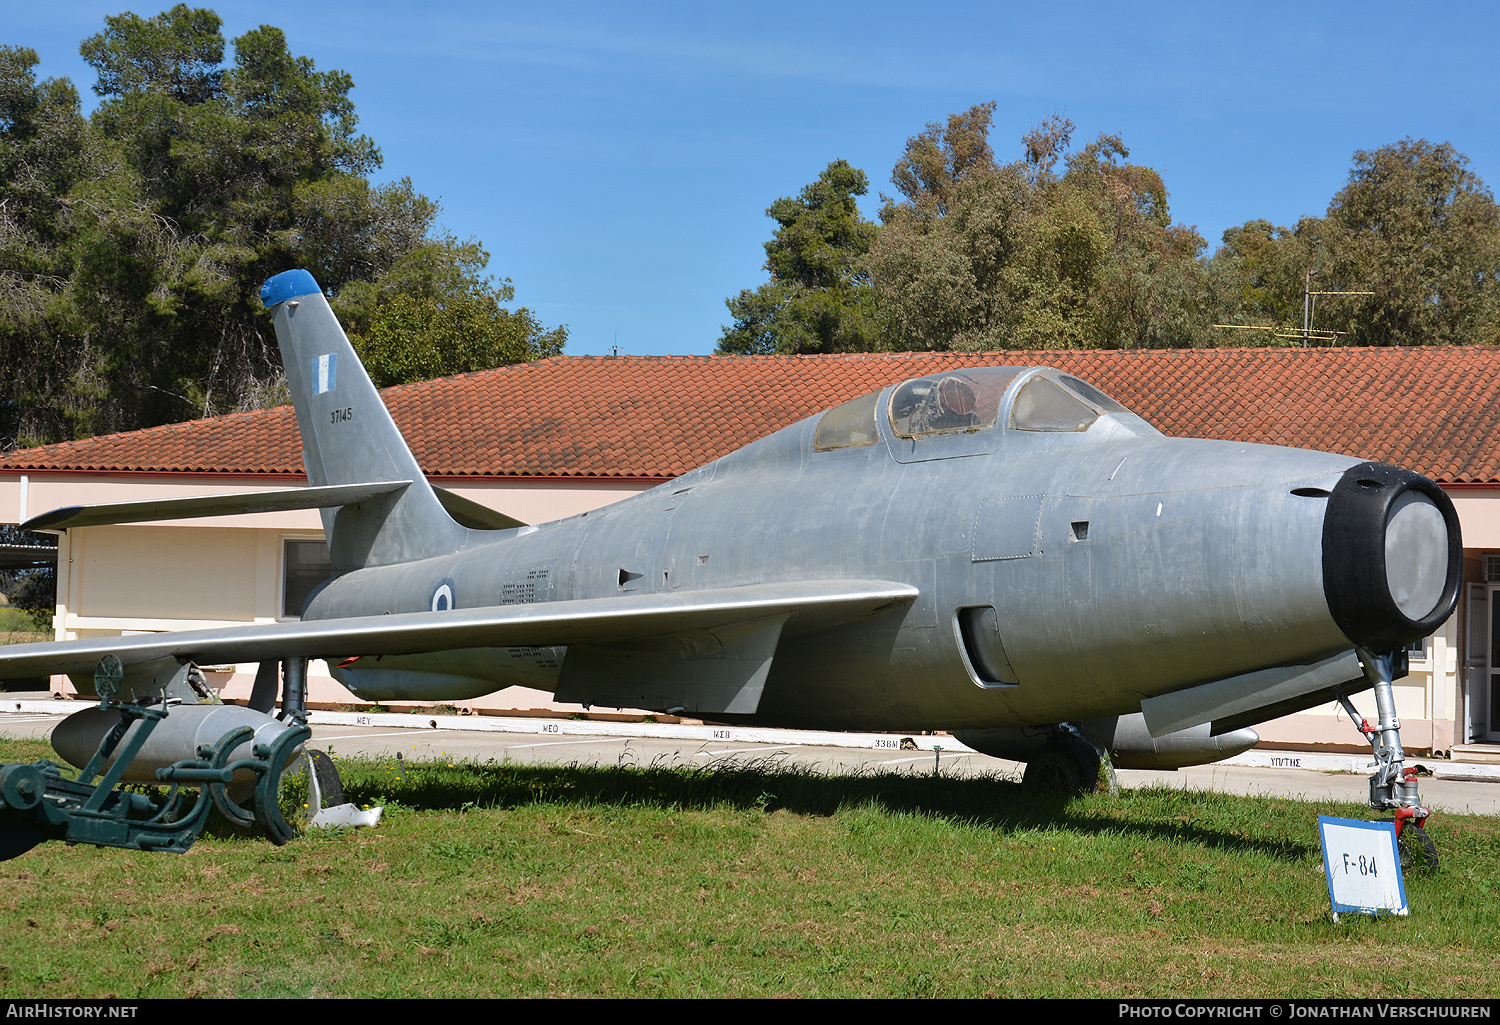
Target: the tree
(978, 255)
(1419, 229)
(935, 161)
(133, 243)
(1150, 289)
(414, 337)
(42, 158)
(819, 297)
(1413, 225)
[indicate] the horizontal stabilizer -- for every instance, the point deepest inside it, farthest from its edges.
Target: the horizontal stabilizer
(211, 505)
(1231, 700)
(600, 622)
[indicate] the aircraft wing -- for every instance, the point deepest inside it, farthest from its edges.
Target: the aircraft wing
(595, 623)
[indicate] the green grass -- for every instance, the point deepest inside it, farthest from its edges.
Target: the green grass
(505, 880)
(14, 621)
(16, 627)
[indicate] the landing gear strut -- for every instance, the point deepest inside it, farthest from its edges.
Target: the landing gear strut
(1393, 786)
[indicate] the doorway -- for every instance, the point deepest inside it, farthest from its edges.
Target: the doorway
(1482, 658)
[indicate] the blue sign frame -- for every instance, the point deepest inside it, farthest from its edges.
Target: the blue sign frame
(1387, 828)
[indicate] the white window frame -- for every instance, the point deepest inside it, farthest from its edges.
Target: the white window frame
(281, 571)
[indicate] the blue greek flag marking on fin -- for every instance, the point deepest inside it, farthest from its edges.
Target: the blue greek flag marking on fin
(323, 368)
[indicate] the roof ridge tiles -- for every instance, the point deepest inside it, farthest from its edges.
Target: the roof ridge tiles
(602, 416)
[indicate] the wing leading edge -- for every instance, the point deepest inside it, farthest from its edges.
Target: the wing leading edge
(625, 622)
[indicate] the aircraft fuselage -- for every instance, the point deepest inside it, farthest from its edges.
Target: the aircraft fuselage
(1119, 564)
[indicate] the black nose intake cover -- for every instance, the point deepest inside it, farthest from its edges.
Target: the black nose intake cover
(1392, 556)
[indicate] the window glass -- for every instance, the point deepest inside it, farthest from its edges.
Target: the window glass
(1092, 394)
(305, 565)
(966, 400)
(1043, 406)
(848, 426)
(1475, 622)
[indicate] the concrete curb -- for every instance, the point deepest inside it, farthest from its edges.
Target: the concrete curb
(575, 728)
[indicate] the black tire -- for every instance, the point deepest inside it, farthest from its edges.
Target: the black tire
(329, 784)
(1419, 856)
(1056, 771)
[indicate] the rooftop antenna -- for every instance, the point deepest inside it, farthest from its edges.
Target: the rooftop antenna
(614, 350)
(1310, 301)
(1309, 308)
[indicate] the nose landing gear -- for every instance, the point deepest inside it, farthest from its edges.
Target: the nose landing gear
(1393, 786)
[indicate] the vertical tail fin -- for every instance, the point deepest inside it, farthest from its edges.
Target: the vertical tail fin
(348, 436)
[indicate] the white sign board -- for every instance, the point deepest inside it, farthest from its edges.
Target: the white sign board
(1363, 866)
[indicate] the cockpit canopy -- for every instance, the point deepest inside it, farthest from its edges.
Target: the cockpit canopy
(964, 401)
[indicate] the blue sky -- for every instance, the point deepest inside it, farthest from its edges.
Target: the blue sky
(617, 159)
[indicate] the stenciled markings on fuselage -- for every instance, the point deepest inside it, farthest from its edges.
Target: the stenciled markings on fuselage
(339, 416)
(542, 658)
(523, 586)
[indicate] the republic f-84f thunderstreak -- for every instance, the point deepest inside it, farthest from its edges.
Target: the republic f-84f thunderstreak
(1002, 552)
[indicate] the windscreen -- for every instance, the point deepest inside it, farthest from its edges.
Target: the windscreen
(1092, 394)
(848, 426)
(1044, 406)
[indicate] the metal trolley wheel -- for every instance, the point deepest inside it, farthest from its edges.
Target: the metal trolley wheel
(308, 784)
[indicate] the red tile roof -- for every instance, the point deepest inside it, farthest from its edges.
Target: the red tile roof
(1430, 409)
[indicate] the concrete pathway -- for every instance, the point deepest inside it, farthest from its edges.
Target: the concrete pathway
(1456, 787)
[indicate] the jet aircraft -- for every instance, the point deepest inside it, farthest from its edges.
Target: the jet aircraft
(1005, 552)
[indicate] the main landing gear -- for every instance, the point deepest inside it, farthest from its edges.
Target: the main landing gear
(1069, 764)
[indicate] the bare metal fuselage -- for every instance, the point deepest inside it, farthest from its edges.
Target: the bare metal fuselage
(1120, 564)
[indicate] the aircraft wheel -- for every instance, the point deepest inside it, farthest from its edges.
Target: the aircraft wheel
(308, 784)
(330, 787)
(1419, 856)
(1056, 771)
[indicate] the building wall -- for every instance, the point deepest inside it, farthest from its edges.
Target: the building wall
(1478, 511)
(228, 570)
(195, 574)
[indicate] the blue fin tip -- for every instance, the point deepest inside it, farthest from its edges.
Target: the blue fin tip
(287, 285)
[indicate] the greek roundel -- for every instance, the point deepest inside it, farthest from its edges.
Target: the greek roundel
(442, 596)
